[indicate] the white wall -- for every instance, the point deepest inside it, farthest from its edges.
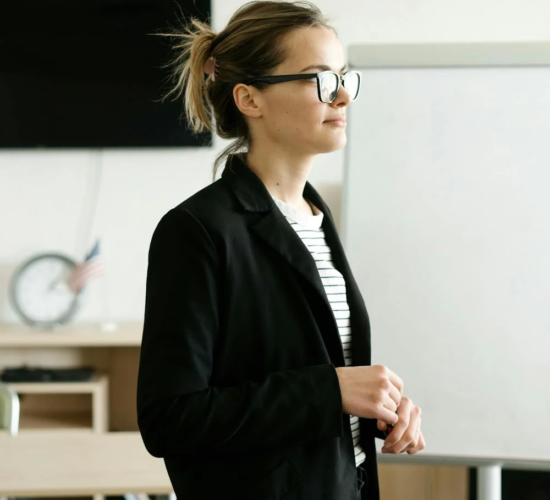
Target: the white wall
(47, 197)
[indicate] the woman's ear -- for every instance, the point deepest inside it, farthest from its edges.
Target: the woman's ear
(247, 100)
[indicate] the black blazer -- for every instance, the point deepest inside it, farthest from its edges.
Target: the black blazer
(237, 388)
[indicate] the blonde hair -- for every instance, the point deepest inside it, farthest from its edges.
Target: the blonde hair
(251, 45)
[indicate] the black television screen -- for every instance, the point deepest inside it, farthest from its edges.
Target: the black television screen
(88, 74)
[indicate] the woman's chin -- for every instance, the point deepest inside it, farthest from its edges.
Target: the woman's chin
(335, 142)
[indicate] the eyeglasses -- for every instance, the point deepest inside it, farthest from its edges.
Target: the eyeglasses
(328, 82)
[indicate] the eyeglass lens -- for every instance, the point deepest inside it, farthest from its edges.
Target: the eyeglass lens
(328, 83)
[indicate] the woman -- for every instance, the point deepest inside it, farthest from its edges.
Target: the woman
(254, 378)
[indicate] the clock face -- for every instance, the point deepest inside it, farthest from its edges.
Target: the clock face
(40, 293)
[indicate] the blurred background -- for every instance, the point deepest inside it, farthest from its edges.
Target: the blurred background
(90, 160)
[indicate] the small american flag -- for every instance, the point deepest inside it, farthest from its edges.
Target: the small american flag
(87, 270)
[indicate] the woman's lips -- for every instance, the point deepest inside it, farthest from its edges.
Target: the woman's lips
(339, 122)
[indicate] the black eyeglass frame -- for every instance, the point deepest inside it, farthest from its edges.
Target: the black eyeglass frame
(308, 76)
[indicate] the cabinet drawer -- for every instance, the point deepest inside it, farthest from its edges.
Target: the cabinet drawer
(75, 464)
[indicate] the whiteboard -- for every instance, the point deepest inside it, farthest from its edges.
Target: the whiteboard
(446, 225)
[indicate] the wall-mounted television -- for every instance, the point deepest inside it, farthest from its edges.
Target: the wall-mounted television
(88, 74)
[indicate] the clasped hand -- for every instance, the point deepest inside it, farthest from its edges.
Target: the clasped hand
(406, 434)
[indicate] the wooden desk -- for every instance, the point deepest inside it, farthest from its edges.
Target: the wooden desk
(73, 464)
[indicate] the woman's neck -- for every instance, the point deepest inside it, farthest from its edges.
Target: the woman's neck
(285, 178)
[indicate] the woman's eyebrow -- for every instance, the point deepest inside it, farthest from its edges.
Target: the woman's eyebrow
(322, 67)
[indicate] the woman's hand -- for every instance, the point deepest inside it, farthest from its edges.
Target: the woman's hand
(406, 434)
(370, 392)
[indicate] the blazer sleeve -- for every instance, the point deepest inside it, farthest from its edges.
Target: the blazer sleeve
(178, 412)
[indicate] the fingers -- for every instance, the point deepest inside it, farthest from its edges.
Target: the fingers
(405, 430)
(419, 446)
(395, 395)
(388, 416)
(393, 385)
(398, 384)
(390, 404)
(414, 443)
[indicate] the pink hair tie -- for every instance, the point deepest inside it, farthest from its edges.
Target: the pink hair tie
(210, 67)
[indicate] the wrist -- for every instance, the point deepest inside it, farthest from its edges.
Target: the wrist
(340, 374)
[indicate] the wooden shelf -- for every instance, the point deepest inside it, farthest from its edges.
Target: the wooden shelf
(82, 387)
(55, 421)
(55, 431)
(72, 335)
(95, 417)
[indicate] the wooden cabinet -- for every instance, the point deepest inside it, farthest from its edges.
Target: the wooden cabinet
(77, 438)
(57, 464)
(422, 482)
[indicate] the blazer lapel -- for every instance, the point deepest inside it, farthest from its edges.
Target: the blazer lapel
(275, 230)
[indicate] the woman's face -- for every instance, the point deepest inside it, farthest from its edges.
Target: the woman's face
(290, 114)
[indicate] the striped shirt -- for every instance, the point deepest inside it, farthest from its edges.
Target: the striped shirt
(308, 228)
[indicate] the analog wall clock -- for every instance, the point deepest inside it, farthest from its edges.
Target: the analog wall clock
(39, 292)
